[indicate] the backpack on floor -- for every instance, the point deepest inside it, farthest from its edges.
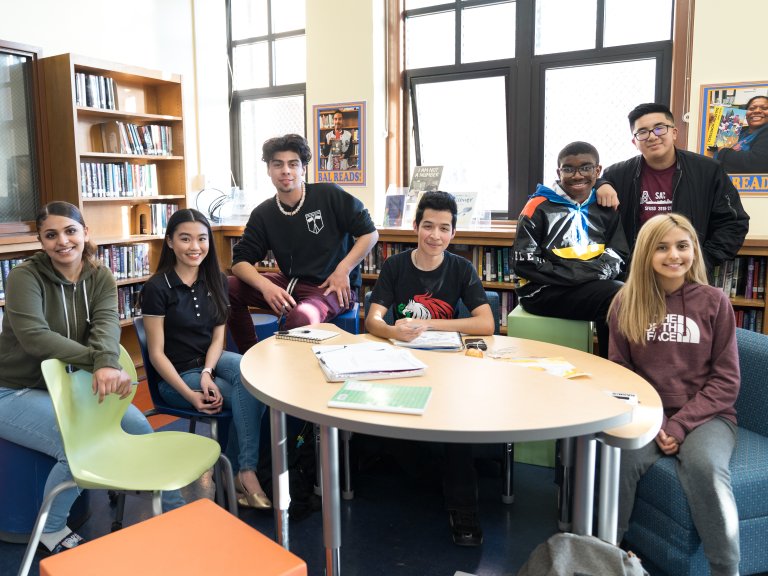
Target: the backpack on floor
(573, 555)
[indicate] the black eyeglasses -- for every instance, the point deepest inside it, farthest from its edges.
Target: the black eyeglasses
(659, 130)
(585, 170)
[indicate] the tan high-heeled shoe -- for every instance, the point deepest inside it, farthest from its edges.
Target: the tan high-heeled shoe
(251, 500)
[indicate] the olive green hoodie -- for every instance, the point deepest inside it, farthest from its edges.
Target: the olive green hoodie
(47, 316)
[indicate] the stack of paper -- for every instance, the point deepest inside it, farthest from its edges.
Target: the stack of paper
(434, 340)
(366, 361)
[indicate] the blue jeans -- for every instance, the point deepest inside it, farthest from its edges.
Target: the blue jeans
(246, 409)
(27, 419)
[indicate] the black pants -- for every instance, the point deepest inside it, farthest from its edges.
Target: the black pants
(588, 301)
(459, 477)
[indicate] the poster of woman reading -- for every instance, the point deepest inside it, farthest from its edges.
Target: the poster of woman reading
(735, 132)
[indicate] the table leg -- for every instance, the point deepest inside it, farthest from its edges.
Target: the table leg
(281, 495)
(608, 499)
(329, 455)
(584, 485)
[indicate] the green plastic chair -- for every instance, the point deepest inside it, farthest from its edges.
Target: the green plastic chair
(102, 456)
(576, 334)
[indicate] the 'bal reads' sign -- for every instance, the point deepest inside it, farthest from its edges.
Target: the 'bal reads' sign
(339, 143)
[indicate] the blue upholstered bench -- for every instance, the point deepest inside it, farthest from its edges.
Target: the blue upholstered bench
(23, 473)
(661, 530)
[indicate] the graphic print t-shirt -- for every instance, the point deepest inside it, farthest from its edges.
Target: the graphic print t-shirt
(655, 192)
(420, 294)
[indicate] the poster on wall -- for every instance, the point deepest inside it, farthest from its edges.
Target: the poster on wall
(340, 143)
(734, 130)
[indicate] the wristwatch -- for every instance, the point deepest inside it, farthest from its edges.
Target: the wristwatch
(207, 371)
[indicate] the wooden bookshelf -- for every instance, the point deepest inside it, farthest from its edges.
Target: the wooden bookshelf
(500, 236)
(142, 98)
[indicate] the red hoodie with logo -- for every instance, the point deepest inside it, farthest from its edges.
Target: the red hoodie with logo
(691, 358)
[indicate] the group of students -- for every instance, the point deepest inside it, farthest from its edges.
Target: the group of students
(675, 215)
(571, 252)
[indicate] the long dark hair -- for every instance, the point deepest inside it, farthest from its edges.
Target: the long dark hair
(208, 272)
(67, 210)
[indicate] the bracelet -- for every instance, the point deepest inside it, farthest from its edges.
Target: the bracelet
(207, 371)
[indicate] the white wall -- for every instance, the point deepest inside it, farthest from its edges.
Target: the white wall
(741, 58)
(345, 63)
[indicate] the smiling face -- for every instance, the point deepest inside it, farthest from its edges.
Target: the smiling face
(578, 185)
(658, 151)
(672, 258)
(63, 239)
(286, 171)
(338, 121)
(190, 244)
(434, 232)
(757, 113)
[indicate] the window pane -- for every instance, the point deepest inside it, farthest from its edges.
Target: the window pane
(430, 40)
(484, 22)
(413, 4)
(251, 66)
(288, 15)
(603, 120)
(291, 60)
(463, 127)
(249, 18)
(565, 25)
(260, 120)
(19, 188)
(625, 24)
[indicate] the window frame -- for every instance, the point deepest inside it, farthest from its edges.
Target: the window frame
(39, 123)
(526, 89)
(238, 97)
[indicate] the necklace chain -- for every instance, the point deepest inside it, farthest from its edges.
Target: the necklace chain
(298, 206)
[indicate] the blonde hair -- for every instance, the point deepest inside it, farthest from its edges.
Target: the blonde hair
(641, 301)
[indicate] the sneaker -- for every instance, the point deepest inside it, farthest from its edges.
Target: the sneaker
(71, 540)
(465, 527)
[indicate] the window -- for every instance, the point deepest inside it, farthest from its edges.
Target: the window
(497, 87)
(268, 56)
(20, 136)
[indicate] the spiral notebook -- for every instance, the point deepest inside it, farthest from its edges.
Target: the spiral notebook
(312, 335)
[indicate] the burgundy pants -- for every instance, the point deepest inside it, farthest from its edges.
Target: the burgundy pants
(312, 307)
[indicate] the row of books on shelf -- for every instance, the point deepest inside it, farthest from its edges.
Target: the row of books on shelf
(125, 138)
(117, 180)
(125, 260)
(750, 319)
(152, 218)
(128, 301)
(742, 277)
(492, 264)
(5, 267)
(95, 91)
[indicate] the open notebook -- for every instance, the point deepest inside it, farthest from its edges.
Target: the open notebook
(434, 340)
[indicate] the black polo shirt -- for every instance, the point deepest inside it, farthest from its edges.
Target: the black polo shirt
(188, 312)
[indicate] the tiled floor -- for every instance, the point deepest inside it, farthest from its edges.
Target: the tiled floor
(393, 526)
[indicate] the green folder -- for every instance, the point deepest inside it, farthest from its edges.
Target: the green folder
(381, 397)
